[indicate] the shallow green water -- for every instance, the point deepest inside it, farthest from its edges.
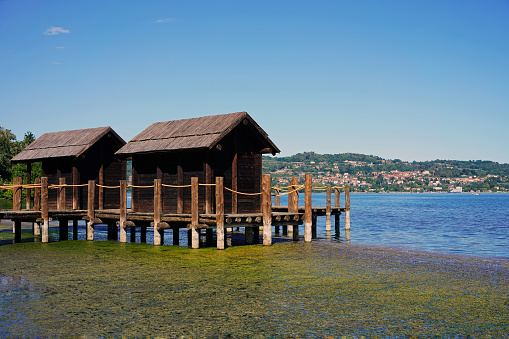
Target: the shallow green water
(107, 289)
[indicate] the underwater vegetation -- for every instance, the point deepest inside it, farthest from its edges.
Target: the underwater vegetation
(318, 289)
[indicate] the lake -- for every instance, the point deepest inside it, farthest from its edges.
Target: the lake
(449, 223)
(440, 222)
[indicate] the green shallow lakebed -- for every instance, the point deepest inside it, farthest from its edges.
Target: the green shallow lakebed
(108, 289)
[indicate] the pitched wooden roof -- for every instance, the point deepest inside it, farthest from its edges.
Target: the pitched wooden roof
(64, 144)
(195, 133)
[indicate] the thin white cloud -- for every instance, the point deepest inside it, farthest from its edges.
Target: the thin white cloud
(59, 47)
(55, 30)
(160, 21)
(56, 63)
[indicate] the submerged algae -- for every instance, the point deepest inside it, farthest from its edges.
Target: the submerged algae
(106, 289)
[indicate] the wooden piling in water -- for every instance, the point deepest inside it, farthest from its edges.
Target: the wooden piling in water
(90, 210)
(337, 192)
(276, 203)
(267, 210)
(195, 235)
(308, 223)
(347, 207)
(123, 211)
(328, 209)
(16, 204)
(220, 238)
(75, 229)
(175, 235)
(44, 209)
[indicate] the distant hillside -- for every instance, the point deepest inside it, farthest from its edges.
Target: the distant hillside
(370, 172)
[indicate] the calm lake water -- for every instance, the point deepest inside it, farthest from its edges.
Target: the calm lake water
(450, 223)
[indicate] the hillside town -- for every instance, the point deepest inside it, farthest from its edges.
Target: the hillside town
(375, 174)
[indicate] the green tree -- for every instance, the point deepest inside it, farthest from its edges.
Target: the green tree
(7, 151)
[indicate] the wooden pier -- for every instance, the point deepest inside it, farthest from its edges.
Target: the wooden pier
(119, 220)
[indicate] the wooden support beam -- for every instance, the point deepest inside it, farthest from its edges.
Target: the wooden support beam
(75, 189)
(17, 193)
(44, 209)
(267, 210)
(175, 235)
(195, 235)
(90, 209)
(61, 195)
(249, 235)
(256, 234)
(328, 209)
(143, 235)
(158, 206)
(276, 197)
(220, 238)
(29, 191)
(17, 230)
(123, 211)
(63, 228)
(308, 223)
(347, 207)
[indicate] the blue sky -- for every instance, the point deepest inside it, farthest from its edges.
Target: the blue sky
(408, 79)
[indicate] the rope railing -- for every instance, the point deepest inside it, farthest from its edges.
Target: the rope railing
(291, 188)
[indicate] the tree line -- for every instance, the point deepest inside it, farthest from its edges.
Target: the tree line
(9, 147)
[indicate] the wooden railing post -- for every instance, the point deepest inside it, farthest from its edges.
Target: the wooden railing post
(29, 191)
(328, 209)
(308, 222)
(195, 236)
(17, 193)
(220, 213)
(123, 211)
(267, 210)
(276, 197)
(44, 209)
(293, 205)
(37, 205)
(158, 206)
(61, 194)
(91, 210)
(347, 207)
(37, 195)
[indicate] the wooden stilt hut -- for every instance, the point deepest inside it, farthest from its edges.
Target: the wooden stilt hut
(78, 156)
(228, 145)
